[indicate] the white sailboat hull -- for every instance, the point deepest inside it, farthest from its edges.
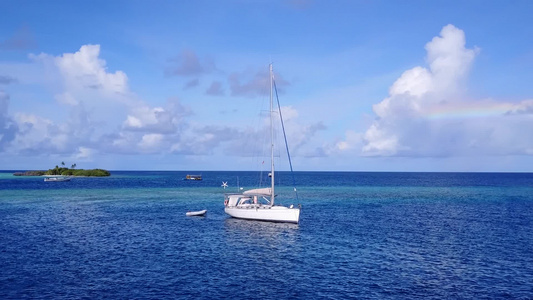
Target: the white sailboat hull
(265, 213)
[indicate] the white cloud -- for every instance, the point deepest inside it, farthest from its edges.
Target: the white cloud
(34, 133)
(417, 88)
(84, 153)
(142, 117)
(38, 135)
(148, 129)
(151, 142)
(427, 112)
(524, 107)
(157, 119)
(380, 141)
(132, 122)
(206, 140)
(8, 127)
(302, 137)
(97, 102)
(248, 141)
(84, 69)
(353, 140)
(105, 117)
(67, 99)
(289, 113)
(448, 59)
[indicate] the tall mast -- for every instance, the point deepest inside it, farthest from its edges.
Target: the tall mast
(271, 136)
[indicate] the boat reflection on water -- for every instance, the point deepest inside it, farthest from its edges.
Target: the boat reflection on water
(259, 226)
(264, 234)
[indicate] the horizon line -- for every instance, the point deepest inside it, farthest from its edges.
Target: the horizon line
(288, 171)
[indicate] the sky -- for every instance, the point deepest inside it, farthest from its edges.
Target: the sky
(430, 86)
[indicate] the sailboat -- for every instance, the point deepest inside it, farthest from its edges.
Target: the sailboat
(259, 204)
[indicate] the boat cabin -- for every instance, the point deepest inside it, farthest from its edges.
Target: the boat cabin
(243, 200)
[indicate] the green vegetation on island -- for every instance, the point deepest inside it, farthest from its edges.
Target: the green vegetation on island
(77, 172)
(66, 172)
(30, 173)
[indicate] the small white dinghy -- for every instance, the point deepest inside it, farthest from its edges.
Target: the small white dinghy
(196, 213)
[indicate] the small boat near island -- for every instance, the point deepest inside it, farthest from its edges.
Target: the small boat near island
(193, 177)
(56, 178)
(198, 213)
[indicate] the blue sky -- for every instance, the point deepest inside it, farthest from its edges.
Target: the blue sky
(179, 85)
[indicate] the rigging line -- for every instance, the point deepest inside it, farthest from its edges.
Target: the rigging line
(286, 144)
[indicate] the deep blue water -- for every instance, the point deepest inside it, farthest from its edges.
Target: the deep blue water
(361, 236)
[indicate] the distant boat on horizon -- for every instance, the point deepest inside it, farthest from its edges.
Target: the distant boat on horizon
(193, 177)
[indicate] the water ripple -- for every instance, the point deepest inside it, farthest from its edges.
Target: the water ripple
(381, 241)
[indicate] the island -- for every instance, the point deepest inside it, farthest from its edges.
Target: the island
(66, 172)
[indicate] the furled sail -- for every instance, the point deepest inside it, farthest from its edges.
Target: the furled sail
(259, 192)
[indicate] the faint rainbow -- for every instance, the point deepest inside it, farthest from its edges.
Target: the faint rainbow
(468, 110)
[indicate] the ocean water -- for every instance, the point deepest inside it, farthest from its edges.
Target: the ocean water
(361, 236)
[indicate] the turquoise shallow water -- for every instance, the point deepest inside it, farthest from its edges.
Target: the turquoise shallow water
(361, 235)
